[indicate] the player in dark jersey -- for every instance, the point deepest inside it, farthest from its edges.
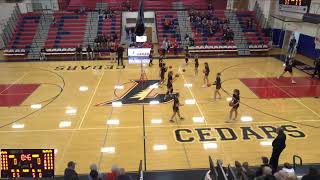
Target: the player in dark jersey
(316, 68)
(163, 71)
(186, 58)
(161, 60)
(288, 68)
(206, 73)
(234, 104)
(218, 86)
(151, 57)
(196, 64)
(175, 108)
(169, 85)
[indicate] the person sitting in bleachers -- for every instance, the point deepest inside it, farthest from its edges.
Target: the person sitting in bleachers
(70, 172)
(248, 171)
(94, 173)
(313, 174)
(78, 52)
(167, 24)
(89, 52)
(266, 171)
(123, 175)
(113, 174)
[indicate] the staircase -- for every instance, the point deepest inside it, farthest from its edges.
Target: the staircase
(184, 23)
(41, 36)
(239, 38)
(91, 28)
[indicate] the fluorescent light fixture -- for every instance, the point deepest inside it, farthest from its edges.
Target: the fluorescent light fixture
(153, 102)
(83, 88)
(109, 150)
(17, 126)
(113, 122)
(71, 111)
(189, 85)
(116, 104)
(156, 121)
(160, 147)
(266, 143)
(229, 99)
(154, 86)
(190, 101)
(210, 146)
(198, 119)
(246, 118)
(36, 106)
(64, 124)
(118, 87)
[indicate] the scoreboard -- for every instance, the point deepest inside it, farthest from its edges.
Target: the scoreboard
(28, 163)
(298, 6)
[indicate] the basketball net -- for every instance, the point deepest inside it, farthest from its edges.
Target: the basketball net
(317, 38)
(143, 76)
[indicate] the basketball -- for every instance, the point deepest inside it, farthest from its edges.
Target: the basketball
(170, 67)
(231, 103)
(208, 85)
(183, 70)
(177, 75)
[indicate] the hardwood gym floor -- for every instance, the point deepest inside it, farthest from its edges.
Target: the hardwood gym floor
(66, 106)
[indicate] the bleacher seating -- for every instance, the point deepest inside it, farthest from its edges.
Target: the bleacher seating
(213, 43)
(25, 31)
(109, 27)
(255, 37)
(172, 34)
(68, 32)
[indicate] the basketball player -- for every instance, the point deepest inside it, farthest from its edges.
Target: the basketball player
(218, 86)
(234, 103)
(163, 71)
(186, 58)
(169, 85)
(288, 68)
(196, 64)
(161, 57)
(175, 108)
(151, 57)
(206, 72)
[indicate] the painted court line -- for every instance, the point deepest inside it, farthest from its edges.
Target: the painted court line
(199, 109)
(90, 101)
(14, 82)
(161, 126)
(297, 100)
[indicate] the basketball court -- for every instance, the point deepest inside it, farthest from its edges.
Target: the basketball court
(74, 108)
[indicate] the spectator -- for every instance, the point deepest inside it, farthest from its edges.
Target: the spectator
(292, 45)
(43, 54)
(94, 173)
(316, 68)
(123, 175)
(78, 52)
(288, 168)
(247, 171)
(113, 174)
(238, 169)
(278, 144)
(175, 47)
(70, 173)
(265, 162)
(120, 51)
(165, 46)
(113, 50)
(265, 172)
(89, 52)
(313, 174)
